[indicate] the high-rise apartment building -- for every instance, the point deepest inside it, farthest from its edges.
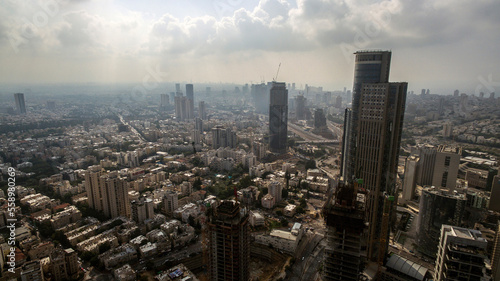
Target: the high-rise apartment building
(427, 159)
(275, 188)
(461, 255)
(229, 247)
(170, 202)
(345, 252)
(20, 105)
(115, 195)
(375, 135)
(437, 207)
(142, 209)
(446, 167)
(223, 137)
(93, 188)
(278, 118)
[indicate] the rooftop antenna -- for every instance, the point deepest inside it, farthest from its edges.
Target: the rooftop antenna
(277, 72)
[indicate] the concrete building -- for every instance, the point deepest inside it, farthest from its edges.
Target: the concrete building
(427, 159)
(268, 201)
(437, 207)
(345, 252)
(20, 105)
(164, 101)
(229, 253)
(410, 178)
(170, 202)
(278, 118)
(476, 178)
(461, 255)
(281, 240)
(319, 119)
(125, 273)
(447, 130)
(446, 167)
(32, 271)
(202, 110)
(142, 209)
(115, 195)
(93, 188)
(275, 188)
(495, 257)
(223, 137)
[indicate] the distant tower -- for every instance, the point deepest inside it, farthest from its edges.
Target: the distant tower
(436, 208)
(278, 118)
(447, 130)
(495, 199)
(164, 101)
(300, 107)
(229, 247)
(202, 110)
(461, 255)
(51, 105)
(177, 88)
(345, 252)
(181, 107)
(198, 124)
(319, 119)
(223, 137)
(93, 188)
(190, 101)
(20, 105)
(455, 93)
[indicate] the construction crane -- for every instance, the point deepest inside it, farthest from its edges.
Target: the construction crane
(277, 72)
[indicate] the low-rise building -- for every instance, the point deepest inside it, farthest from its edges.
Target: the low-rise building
(280, 239)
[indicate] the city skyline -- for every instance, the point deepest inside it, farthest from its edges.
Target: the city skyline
(199, 42)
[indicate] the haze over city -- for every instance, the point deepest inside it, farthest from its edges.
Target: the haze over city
(441, 45)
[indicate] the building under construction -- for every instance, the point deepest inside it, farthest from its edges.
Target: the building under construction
(229, 253)
(345, 254)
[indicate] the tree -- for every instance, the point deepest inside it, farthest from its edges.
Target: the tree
(300, 210)
(284, 193)
(279, 213)
(245, 182)
(310, 164)
(284, 222)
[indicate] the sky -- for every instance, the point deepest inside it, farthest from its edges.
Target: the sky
(441, 45)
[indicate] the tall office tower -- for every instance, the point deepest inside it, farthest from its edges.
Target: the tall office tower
(455, 93)
(375, 136)
(170, 202)
(492, 95)
(410, 178)
(223, 137)
(275, 189)
(202, 110)
(32, 271)
(319, 119)
(229, 253)
(446, 167)
(278, 118)
(115, 195)
(428, 92)
(437, 207)
(345, 252)
(427, 155)
(177, 87)
(172, 96)
(300, 107)
(422, 93)
(51, 105)
(198, 124)
(338, 101)
(190, 97)
(447, 130)
(164, 101)
(495, 257)
(481, 95)
(464, 102)
(293, 86)
(495, 195)
(346, 143)
(196, 137)
(93, 188)
(20, 105)
(260, 97)
(189, 109)
(142, 209)
(461, 255)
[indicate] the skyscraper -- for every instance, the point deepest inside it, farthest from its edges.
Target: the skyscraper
(229, 253)
(223, 137)
(202, 110)
(375, 135)
(190, 101)
(278, 118)
(300, 107)
(170, 202)
(93, 188)
(20, 105)
(410, 179)
(115, 195)
(164, 101)
(446, 167)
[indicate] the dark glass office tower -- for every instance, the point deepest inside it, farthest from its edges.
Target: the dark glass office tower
(278, 118)
(374, 136)
(20, 105)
